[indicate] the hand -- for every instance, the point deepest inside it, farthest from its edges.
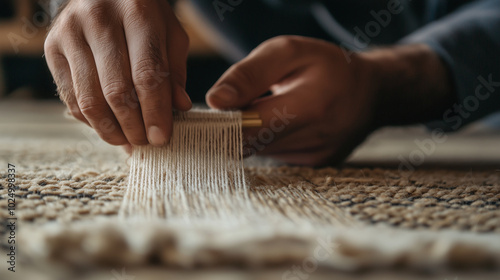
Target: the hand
(326, 100)
(120, 67)
(320, 107)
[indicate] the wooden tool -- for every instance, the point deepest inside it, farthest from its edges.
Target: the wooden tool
(251, 119)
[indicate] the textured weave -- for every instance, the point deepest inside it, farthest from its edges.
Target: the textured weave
(198, 176)
(83, 194)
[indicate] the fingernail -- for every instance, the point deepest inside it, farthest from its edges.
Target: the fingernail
(224, 93)
(156, 136)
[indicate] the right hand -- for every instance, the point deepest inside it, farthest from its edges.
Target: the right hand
(120, 67)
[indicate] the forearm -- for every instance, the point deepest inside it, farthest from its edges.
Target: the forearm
(468, 41)
(411, 83)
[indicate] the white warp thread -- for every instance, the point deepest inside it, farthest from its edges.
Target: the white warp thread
(198, 176)
(199, 179)
(206, 214)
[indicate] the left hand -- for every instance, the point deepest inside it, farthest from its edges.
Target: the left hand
(321, 107)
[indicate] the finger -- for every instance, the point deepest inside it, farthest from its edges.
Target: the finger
(267, 65)
(282, 115)
(89, 94)
(150, 70)
(113, 68)
(128, 149)
(177, 51)
(59, 67)
(279, 119)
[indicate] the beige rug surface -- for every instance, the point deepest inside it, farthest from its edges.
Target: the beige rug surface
(431, 219)
(56, 183)
(70, 187)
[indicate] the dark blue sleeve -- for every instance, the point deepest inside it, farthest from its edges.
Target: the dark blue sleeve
(468, 41)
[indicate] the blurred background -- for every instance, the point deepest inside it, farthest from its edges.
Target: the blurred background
(26, 80)
(24, 73)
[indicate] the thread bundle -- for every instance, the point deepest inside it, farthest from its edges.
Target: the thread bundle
(198, 176)
(199, 179)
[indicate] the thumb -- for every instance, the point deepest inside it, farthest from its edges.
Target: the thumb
(252, 77)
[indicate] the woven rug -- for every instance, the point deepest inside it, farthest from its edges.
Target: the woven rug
(69, 193)
(70, 186)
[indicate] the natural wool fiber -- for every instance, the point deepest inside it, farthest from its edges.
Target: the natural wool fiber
(88, 208)
(198, 178)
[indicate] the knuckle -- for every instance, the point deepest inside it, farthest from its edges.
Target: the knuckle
(137, 13)
(67, 35)
(146, 77)
(50, 46)
(145, 66)
(131, 127)
(289, 44)
(75, 112)
(98, 13)
(131, 99)
(69, 24)
(134, 6)
(115, 92)
(89, 107)
(244, 74)
(65, 22)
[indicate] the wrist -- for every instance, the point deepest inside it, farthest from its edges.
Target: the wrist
(411, 84)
